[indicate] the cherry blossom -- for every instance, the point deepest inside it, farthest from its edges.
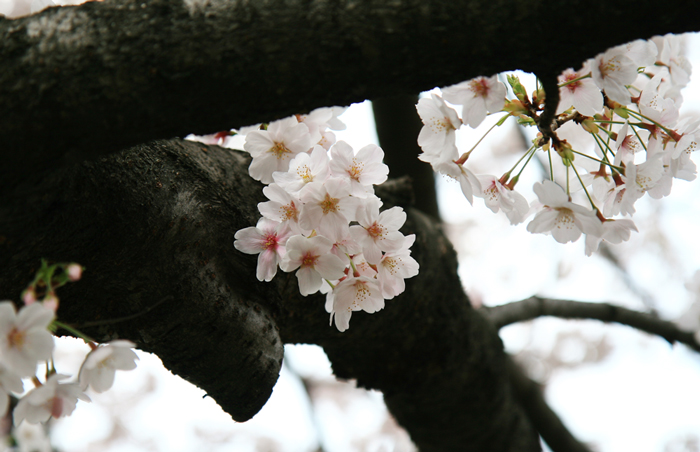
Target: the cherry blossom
(583, 94)
(328, 207)
(52, 399)
(355, 294)
(266, 240)
(627, 146)
(313, 259)
(440, 123)
(395, 267)
(499, 197)
(614, 231)
(478, 97)
(281, 207)
(377, 231)
(560, 217)
(272, 149)
(362, 170)
(468, 181)
(303, 169)
(100, 365)
(612, 71)
(24, 338)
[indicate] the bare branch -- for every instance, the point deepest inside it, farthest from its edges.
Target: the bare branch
(534, 307)
(546, 421)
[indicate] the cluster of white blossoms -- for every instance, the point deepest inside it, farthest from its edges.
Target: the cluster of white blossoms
(26, 341)
(322, 219)
(625, 101)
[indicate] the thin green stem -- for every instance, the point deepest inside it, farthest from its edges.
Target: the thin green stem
(584, 187)
(604, 162)
(639, 115)
(70, 329)
(568, 188)
(487, 132)
(520, 160)
(531, 151)
(551, 168)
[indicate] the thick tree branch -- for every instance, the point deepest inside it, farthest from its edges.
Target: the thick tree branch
(534, 307)
(158, 221)
(121, 72)
(545, 420)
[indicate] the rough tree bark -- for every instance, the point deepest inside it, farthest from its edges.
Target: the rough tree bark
(156, 221)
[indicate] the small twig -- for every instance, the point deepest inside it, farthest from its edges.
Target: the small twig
(533, 307)
(544, 419)
(125, 318)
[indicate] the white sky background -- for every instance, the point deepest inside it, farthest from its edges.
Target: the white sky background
(638, 395)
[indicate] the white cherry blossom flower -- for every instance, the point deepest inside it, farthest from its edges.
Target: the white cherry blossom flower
(100, 365)
(377, 231)
(24, 337)
(355, 294)
(50, 399)
(499, 197)
(672, 56)
(654, 105)
(612, 71)
(281, 207)
(267, 240)
(312, 256)
(303, 169)
(440, 123)
(362, 170)
(560, 217)
(478, 96)
(328, 208)
(627, 146)
(272, 149)
(395, 267)
(31, 438)
(583, 94)
(640, 178)
(614, 231)
(468, 181)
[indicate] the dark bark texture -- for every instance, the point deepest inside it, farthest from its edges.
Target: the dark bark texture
(155, 222)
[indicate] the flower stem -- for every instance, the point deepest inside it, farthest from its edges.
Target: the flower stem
(70, 329)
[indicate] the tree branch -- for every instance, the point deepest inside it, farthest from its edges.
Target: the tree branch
(545, 420)
(534, 307)
(122, 72)
(158, 221)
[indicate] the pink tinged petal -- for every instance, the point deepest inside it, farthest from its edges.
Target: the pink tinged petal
(372, 251)
(309, 280)
(248, 240)
(267, 265)
(342, 319)
(543, 222)
(393, 218)
(330, 266)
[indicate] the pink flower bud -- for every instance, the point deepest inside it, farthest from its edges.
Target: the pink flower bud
(50, 301)
(74, 271)
(29, 296)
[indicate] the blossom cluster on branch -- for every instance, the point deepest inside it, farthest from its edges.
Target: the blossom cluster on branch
(625, 101)
(323, 219)
(26, 341)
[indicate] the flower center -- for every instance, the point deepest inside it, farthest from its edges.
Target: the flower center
(309, 260)
(305, 173)
(290, 212)
(16, 339)
(479, 87)
(376, 230)
(355, 170)
(280, 150)
(329, 204)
